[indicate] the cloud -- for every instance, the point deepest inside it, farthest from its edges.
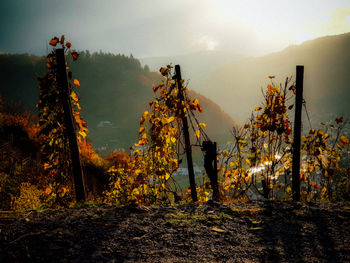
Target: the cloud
(336, 23)
(204, 43)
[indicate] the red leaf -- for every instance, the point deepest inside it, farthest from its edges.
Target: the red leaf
(75, 55)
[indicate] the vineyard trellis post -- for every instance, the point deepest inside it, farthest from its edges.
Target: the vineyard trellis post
(297, 133)
(210, 165)
(62, 82)
(186, 137)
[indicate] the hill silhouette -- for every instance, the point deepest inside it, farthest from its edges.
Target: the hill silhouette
(115, 90)
(237, 87)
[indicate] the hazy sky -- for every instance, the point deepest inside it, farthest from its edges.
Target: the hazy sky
(161, 27)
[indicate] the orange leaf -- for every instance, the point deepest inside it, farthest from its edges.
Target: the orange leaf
(198, 133)
(344, 141)
(62, 39)
(76, 82)
(54, 41)
(47, 191)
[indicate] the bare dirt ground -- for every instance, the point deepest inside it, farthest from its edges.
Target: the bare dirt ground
(242, 232)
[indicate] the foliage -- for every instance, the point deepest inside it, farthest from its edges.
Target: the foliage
(53, 137)
(323, 151)
(18, 154)
(147, 175)
(258, 161)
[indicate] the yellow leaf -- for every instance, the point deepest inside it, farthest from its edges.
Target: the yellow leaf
(247, 161)
(141, 130)
(255, 228)
(83, 134)
(167, 176)
(257, 108)
(171, 119)
(74, 96)
(216, 229)
(76, 82)
(46, 166)
(198, 133)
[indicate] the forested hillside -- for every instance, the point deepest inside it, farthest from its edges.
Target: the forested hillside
(115, 90)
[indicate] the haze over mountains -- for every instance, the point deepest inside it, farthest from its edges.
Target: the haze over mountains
(235, 83)
(116, 88)
(115, 91)
(237, 87)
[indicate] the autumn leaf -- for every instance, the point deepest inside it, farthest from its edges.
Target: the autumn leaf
(47, 190)
(62, 40)
(170, 119)
(271, 77)
(143, 117)
(75, 55)
(198, 133)
(76, 82)
(257, 108)
(216, 229)
(200, 108)
(339, 120)
(74, 96)
(164, 71)
(155, 88)
(141, 130)
(46, 166)
(68, 44)
(344, 141)
(83, 134)
(54, 41)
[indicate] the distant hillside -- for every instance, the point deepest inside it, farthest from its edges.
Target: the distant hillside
(237, 87)
(115, 90)
(195, 65)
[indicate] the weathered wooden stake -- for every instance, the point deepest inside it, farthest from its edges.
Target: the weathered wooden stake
(62, 81)
(186, 137)
(210, 165)
(297, 134)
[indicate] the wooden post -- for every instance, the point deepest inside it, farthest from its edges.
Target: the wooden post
(62, 82)
(297, 134)
(210, 165)
(186, 137)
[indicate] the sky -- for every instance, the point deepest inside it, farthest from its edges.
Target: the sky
(147, 28)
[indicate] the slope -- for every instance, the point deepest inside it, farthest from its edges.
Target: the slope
(236, 88)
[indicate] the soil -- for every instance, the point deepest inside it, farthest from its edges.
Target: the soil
(241, 232)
